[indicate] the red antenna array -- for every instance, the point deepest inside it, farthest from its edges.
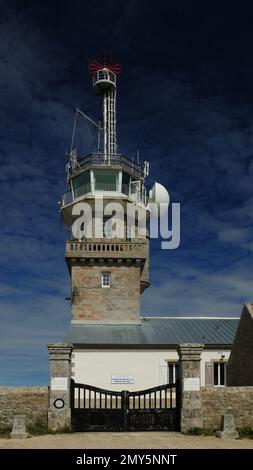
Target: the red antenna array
(96, 65)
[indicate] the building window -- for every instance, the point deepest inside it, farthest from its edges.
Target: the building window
(130, 232)
(104, 227)
(125, 183)
(106, 180)
(107, 227)
(173, 372)
(106, 279)
(81, 184)
(219, 374)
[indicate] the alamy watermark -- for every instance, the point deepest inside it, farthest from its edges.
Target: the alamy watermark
(101, 219)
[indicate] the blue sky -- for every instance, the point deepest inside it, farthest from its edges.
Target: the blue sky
(185, 100)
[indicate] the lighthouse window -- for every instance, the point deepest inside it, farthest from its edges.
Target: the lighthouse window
(130, 232)
(106, 180)
(125, 183)
(81, 184)
(107, 227)
(106, 279)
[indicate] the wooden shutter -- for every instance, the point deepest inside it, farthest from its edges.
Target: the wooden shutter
(209, 374)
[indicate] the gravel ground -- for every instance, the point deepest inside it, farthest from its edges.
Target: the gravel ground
(148, 440)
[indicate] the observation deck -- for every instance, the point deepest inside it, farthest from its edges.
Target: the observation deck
(96, 160)
(97, 173)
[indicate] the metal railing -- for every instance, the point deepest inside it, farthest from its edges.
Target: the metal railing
(101, 159)
(70, 196)
(103, 75)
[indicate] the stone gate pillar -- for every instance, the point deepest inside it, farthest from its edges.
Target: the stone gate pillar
(189, 369)
(59, 412)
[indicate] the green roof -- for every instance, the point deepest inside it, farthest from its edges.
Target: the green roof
(156, 331)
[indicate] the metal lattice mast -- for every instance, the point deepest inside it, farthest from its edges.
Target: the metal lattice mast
(110, 134)
(104, 83)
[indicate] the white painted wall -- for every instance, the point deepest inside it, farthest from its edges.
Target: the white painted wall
(95, 367)
(149, 367)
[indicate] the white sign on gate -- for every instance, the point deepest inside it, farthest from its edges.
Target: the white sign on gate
(122, 379)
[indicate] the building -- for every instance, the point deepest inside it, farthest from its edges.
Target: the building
(145, 355)
(114, 345)
(240, 365)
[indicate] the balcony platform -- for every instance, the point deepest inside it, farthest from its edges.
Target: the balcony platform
(104, 248)
(101, 160)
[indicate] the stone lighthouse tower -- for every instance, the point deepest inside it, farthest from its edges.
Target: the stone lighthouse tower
(117, 370)
(107, 252)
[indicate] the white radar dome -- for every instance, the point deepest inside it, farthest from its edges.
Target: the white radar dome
(159, 195)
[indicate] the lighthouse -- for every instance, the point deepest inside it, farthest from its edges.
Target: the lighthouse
(109, 269)
(116, 369)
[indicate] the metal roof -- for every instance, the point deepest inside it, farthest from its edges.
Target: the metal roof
(157, 331)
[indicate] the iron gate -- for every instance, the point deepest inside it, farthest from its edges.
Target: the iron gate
(97, 409)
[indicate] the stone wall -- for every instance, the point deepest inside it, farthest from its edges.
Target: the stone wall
(191, 415)
(118, 303)
(240, 364)
(219, 400)
(30, 401)
(60, 374)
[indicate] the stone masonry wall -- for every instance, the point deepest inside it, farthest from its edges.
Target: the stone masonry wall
(30, 401)
(235, 400)
(119, 303)
(189, 367)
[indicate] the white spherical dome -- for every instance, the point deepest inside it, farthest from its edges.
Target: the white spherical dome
(159, 194)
